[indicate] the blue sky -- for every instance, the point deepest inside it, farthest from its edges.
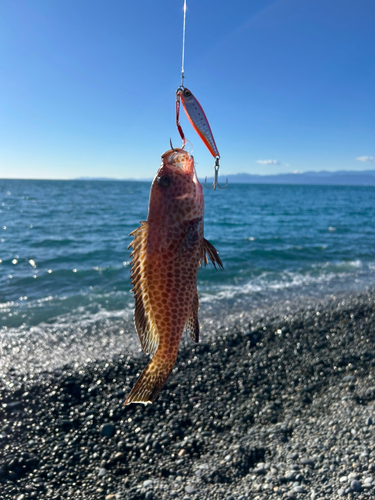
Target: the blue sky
(87, 88)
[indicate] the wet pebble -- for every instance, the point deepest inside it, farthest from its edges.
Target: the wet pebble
(300, 489)
(355, 485)
(260, 471)
(265, 420)
(307, 461)
(107, 430)
(190, 489)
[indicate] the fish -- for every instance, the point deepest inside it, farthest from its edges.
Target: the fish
(197, 118)
(168, 248)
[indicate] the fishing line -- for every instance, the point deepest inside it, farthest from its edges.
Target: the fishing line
(195, 114)
(183, 46)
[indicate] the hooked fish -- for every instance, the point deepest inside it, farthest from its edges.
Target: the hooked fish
(167, 251)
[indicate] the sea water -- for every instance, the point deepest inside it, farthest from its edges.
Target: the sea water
(65, 293)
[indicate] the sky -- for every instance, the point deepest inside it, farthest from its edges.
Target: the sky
(87, 87)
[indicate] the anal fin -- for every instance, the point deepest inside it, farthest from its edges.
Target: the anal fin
(192, 323)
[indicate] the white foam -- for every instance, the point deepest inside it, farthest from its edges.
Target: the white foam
(268, 281)
(70, 337)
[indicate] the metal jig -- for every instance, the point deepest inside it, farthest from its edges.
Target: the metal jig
(215, 184)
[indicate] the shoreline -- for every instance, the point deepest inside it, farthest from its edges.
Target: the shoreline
(28, 355)
(281, 407)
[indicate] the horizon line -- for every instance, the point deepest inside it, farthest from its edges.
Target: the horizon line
(148, 179)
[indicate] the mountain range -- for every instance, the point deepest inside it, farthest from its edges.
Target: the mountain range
(338, 178)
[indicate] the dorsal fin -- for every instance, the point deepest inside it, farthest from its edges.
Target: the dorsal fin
(143, 318)
(192, 323)
(210, 250)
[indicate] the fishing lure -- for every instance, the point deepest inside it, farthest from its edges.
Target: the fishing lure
(199, 121)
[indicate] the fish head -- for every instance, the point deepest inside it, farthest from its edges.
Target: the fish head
(176, 193)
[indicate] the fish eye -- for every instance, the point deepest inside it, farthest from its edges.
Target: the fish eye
(187, 93)
(163, 181)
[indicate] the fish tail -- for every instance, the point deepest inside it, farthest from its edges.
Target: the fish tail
(152, 380)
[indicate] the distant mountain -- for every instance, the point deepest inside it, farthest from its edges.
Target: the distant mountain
(95, 179)
(111, 179)
(339, 178)
(101, 179)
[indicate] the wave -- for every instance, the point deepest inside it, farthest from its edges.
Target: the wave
(78, 336)
(55, 242)
(52, 331)
(318, 274)
(64, 263)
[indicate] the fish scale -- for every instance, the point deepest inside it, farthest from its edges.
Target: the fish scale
(167, 251)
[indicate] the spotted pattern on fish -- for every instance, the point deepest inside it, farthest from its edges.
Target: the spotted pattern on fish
(167, 251)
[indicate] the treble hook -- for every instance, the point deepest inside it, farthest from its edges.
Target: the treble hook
(215, 184)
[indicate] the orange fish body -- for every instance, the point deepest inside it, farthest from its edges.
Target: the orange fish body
(167, 251)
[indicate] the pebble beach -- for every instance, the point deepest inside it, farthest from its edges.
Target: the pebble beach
(278, 405)
(102, 222)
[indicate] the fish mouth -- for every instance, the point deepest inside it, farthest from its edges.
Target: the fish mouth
(180, 160)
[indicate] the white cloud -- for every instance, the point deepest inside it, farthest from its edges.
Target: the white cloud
(268, 162)
(365, 158)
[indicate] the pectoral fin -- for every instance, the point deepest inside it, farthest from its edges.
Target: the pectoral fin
(192, 324)
(213, 254)
(143, 318)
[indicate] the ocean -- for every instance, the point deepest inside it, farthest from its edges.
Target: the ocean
(65, 293)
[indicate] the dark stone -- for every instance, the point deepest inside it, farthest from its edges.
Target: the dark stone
(107, 430)
(307, 461)
(13, 476)
(355, 485)
(13, 405)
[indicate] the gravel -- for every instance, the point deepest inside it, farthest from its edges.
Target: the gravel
(281, 406)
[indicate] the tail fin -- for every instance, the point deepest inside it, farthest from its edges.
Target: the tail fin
(152, 380)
